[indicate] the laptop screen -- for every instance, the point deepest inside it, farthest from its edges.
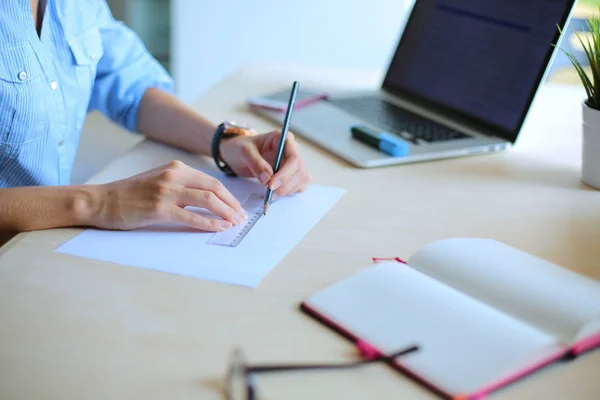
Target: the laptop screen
(481, 60)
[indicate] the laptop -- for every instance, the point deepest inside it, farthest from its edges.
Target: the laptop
(461, 82)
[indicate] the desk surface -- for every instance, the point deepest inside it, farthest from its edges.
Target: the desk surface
(72, 328)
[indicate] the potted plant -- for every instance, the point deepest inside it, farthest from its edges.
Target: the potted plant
(590, 173)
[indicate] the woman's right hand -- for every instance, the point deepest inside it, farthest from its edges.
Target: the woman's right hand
(160, 195)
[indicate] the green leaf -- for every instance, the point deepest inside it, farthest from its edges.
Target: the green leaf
(587, 84)
(591, 48)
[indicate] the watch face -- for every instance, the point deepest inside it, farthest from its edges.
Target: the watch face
(237, 129)
(233, 124)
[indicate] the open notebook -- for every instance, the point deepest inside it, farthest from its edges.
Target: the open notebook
(483, 313)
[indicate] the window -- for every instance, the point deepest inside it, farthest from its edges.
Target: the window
(562, 70)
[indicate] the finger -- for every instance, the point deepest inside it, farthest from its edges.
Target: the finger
(259, 167)
(291, 155)
(194, 220)
(212, 202)
(291, 145)
(305, 185)
(272, 142)
(194, 179)
(292, 185)
(288, 168)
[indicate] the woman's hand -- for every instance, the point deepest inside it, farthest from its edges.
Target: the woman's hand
(160, 195)
(253, 156)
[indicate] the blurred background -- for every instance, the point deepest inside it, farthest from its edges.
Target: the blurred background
(562, 71)
(202, 41)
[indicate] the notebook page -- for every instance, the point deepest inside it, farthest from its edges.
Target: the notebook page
(465, 344)
(591, 329)
(552, 298)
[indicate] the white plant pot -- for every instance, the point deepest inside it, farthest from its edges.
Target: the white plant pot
(590, 170)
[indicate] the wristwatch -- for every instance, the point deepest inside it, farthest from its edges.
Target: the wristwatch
(227, 130)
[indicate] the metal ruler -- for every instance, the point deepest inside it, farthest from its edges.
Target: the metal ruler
(232, 237)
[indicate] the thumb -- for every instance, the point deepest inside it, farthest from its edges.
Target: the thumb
(255, 162)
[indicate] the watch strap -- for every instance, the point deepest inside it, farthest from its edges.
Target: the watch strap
(219, 135)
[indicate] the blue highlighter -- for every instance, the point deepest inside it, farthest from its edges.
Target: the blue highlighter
(382, 141)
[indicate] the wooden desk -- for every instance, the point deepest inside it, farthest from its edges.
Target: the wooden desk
(72, 328)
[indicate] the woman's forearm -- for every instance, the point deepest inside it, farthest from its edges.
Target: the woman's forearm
(33, 208)
(164, 118)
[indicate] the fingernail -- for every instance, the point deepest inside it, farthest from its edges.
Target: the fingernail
(275, 185)
(239, 218)
(225, 224)
(264, 178)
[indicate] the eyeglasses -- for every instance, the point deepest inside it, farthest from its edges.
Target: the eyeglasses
(241, 382)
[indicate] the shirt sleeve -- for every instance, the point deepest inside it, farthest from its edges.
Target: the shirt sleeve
(125, 72)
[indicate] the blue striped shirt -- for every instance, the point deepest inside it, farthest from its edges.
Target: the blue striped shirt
(82, 60)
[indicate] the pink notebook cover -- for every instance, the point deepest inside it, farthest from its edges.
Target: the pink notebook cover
(578, 348)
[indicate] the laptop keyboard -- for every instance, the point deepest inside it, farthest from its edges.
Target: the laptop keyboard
(403, 123)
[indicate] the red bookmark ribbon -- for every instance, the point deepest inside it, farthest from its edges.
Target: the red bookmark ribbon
(381, 259)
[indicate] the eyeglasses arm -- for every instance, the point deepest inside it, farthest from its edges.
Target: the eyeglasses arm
(295, 367)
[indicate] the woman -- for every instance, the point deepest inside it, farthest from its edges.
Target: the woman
(61, 58)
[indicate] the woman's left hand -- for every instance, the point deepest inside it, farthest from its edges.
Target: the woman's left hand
(253, 156)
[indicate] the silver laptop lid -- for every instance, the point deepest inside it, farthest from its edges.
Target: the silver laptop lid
(477, 63)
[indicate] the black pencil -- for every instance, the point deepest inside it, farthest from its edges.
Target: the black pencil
(282, 141)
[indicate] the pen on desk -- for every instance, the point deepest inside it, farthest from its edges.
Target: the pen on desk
(282, 140)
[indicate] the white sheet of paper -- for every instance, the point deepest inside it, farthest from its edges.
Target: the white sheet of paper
(181, 250)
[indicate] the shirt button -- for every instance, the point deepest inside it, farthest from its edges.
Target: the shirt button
(94, 56)
(53, 85)
(22, 75)
(61, 143)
